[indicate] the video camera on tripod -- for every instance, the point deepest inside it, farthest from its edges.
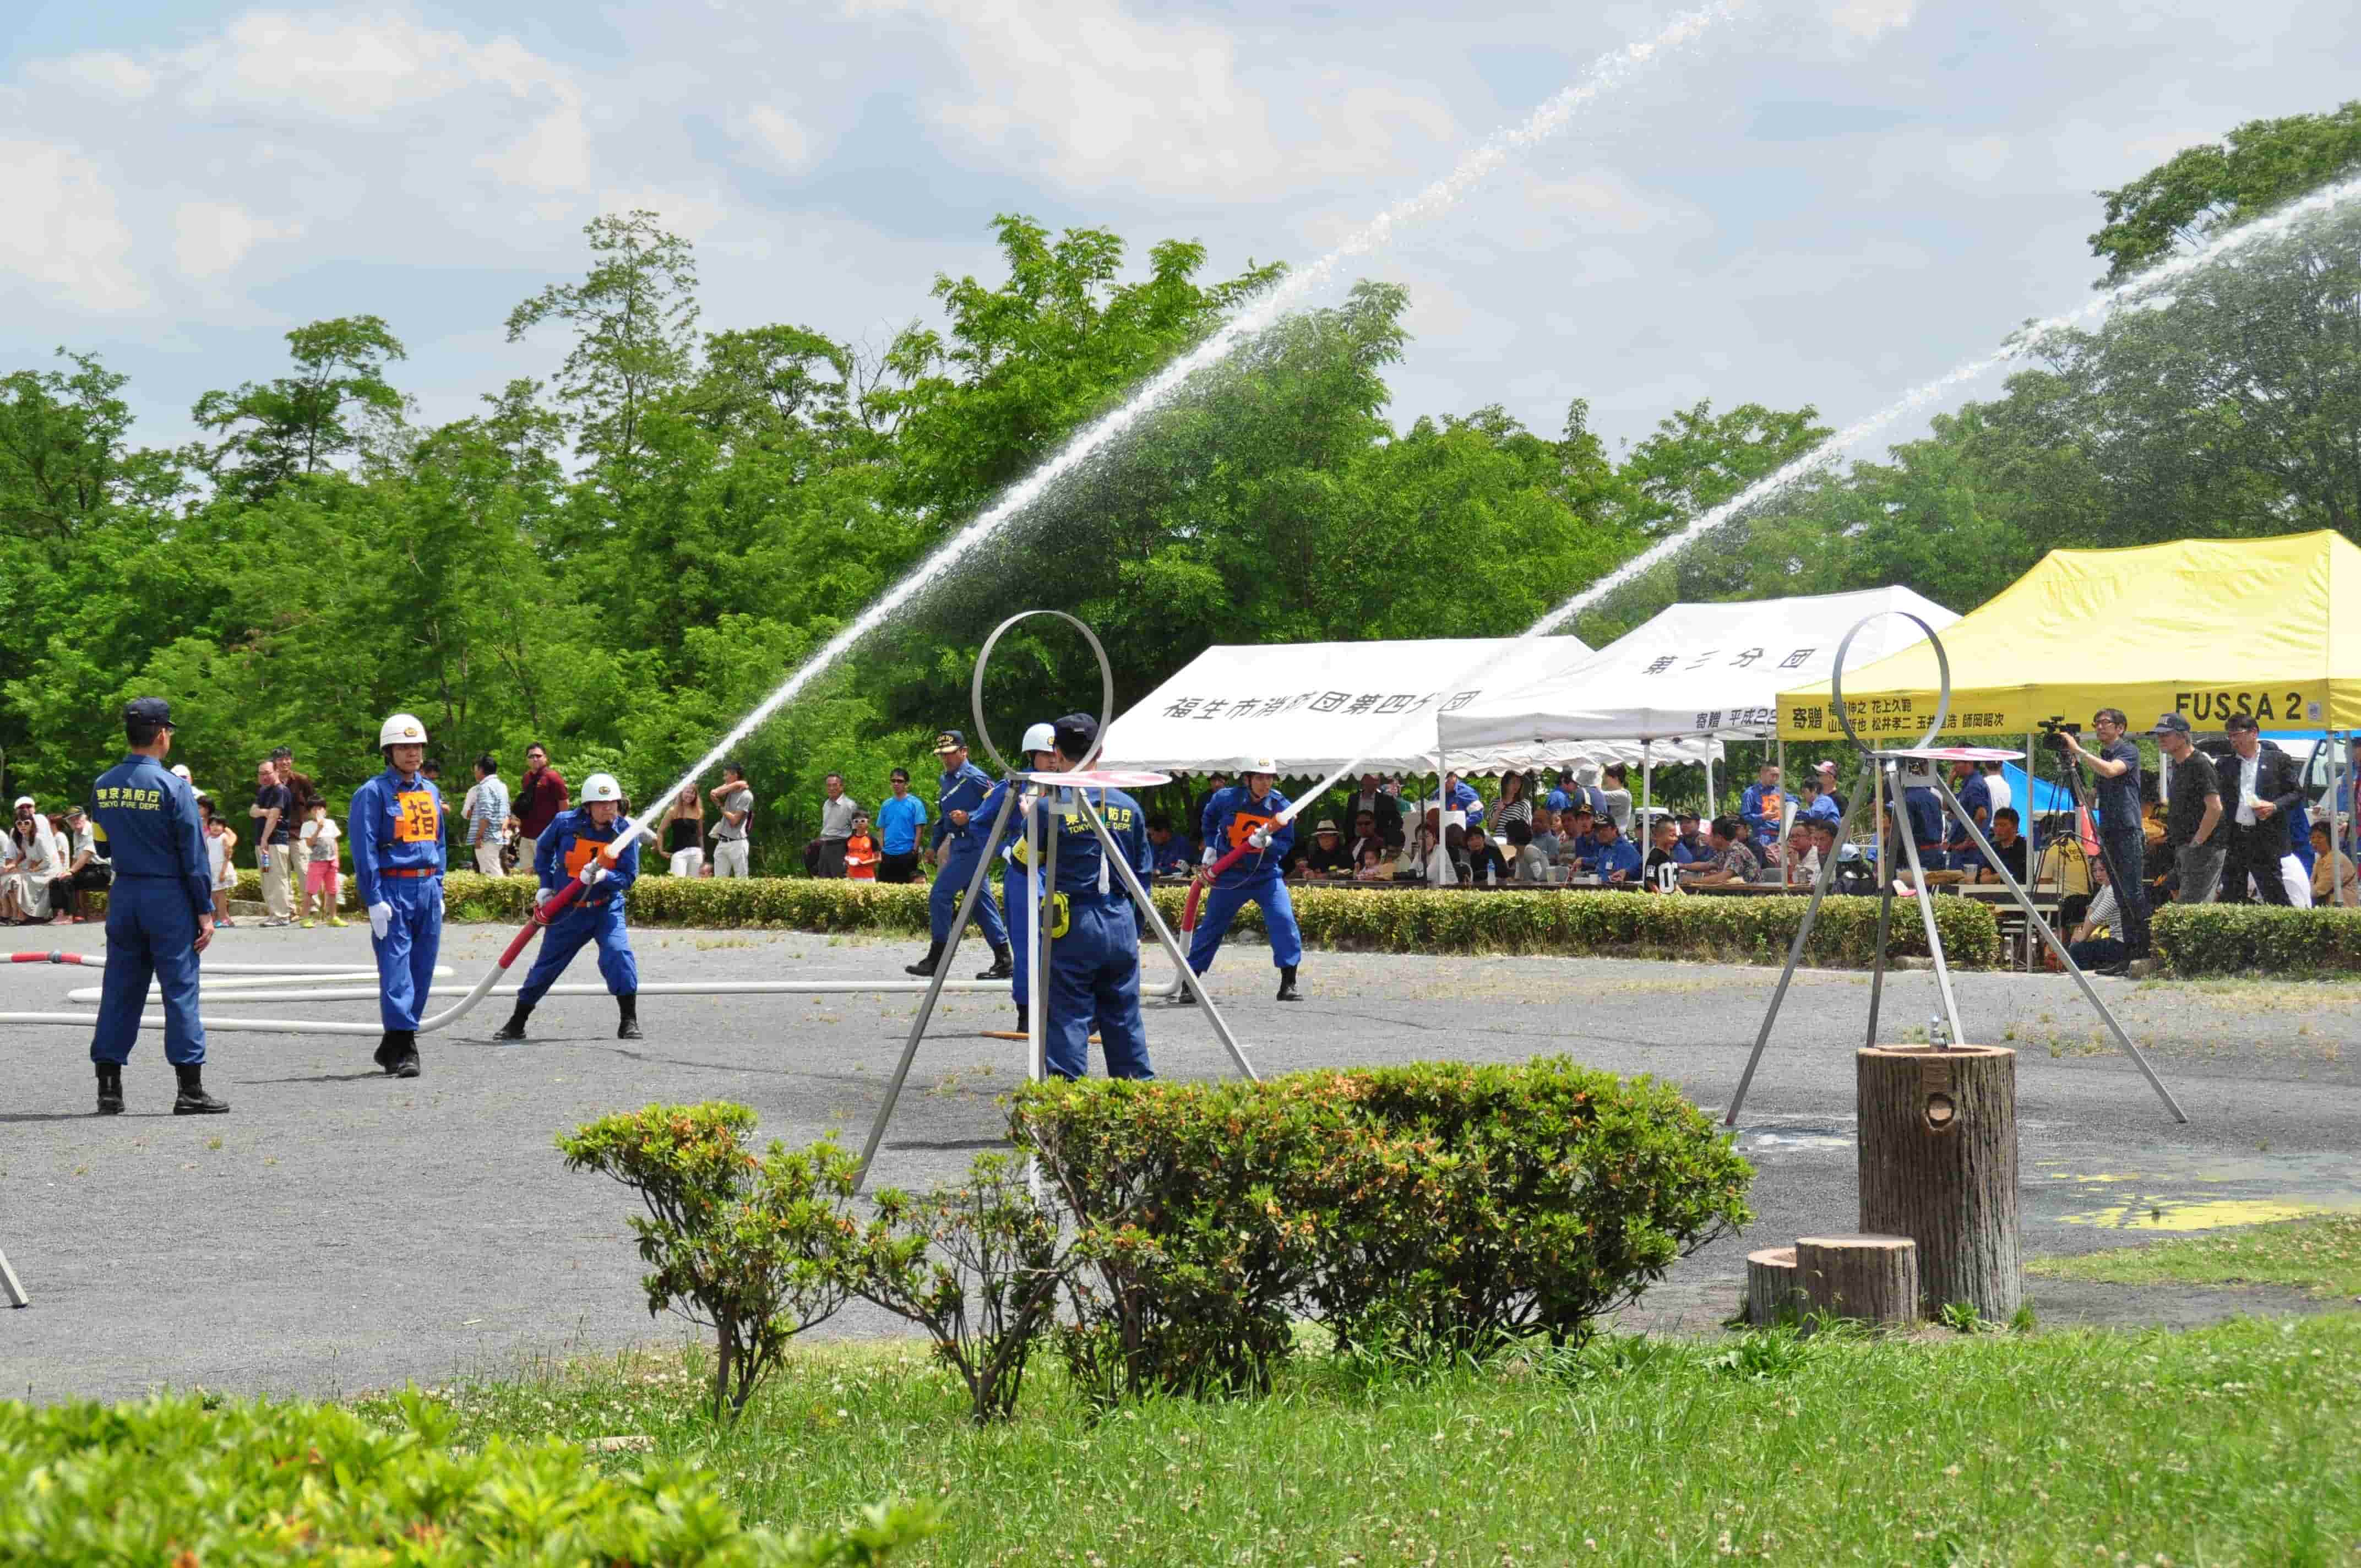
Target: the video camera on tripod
(2054, 731)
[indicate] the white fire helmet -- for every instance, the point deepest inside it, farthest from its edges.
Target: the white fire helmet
(601, 786)
(401, 729)
(1040, 738)
(1263, 766)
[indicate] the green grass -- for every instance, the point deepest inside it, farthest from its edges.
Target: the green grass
(2227, 1445)
(2321, 1255)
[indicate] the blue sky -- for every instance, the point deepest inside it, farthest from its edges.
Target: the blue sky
(1823, 201)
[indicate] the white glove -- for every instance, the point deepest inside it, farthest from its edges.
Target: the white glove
(593, 874)
(380, 920)
(1259, 839)
(540, 896)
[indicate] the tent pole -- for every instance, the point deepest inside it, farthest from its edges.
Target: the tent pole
(2338, 843)
(1648, 789)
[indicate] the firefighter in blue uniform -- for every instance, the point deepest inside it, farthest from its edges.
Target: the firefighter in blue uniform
(573, 845)
(1247, 813)
(159, 916)
(961, 826)
(395, 831)
(1093, 983)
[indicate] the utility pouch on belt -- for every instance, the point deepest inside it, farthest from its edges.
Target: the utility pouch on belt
(1061, 914)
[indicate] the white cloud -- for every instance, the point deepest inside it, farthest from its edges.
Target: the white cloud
(782, 142)
(211, 237)
(1979, 160)
(104, 72)
(1599, 200)
(62, 231)
(693, 217)
(555, 155)
(1863, 21)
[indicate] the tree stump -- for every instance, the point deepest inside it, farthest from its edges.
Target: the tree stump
(1873, 1279)
(1771, 1285)
(1938, 1165)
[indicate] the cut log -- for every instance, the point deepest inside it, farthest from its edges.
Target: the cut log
(1770, 1287)
(1869, 1278)
(1938, 1165)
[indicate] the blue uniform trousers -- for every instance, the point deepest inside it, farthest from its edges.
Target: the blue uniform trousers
(1220, 907)
(1094, 984)
(406, 953)
(959, 857)
(602, 923)
(151, 936)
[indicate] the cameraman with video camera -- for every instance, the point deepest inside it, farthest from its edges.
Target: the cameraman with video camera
(2115, 778)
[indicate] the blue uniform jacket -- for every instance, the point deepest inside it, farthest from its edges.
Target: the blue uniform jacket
(570, 842)
(395, 823)
(1231, 817)
(1927, 818)
(965, 790)
(1764, 824)
(1603, 860)
(1078, 849)
(145, 818)
(1463, 798)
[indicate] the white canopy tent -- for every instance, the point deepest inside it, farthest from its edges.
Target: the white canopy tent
(1694, 670)
(1312, 707)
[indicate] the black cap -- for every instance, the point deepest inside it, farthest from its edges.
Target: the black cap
(950, 741)
(148, 710)
(1075, 732)
(2170, 724)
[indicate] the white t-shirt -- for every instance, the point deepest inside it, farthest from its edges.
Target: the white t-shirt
(320, 839)
(1997, 785)
(217, 859)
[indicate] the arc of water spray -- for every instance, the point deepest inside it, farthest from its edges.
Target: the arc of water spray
(1605, 74)
(2224, 248)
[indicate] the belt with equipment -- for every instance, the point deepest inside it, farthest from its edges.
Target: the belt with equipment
(408, 871)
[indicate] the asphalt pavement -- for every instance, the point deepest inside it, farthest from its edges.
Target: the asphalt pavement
(340, 1230)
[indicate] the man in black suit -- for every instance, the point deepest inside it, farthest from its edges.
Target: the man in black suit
(1384, 807)
(2259, 787)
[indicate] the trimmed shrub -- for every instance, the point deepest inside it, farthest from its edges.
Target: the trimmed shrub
(976, 1266)
(2237, 938)
(1528, 1199)
(185, 1480)
(1435, 1206)
(748, 1247)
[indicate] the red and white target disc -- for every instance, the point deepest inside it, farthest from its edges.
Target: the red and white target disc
(1102, 778)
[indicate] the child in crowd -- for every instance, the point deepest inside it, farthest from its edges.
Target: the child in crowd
(2334, 879)
(318, 839)
(513, 842)
(1484, 857)
(221, 846)
(1374, 866)
(1531, 865)
(861, 852)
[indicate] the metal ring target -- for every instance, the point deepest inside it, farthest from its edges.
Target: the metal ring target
(1106, 687)
(1943, 674)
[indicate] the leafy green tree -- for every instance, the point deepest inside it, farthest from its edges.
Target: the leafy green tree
(635, 319)
(300, 423)
(2203, 190)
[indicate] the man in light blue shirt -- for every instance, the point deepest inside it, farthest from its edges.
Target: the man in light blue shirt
(899, 818)
(487, 816)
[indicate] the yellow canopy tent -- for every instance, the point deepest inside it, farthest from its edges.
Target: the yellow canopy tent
(2200, 627)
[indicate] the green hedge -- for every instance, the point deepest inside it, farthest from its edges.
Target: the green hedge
(181, 1480)
(1406, 920)
(1735, 929)
(2238, 938)
(1434, 1206)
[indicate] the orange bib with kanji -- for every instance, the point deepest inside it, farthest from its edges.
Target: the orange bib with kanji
(1245, 824)
(416, 821)
(581, 853)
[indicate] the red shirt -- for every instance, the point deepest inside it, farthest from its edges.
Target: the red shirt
(544, 797)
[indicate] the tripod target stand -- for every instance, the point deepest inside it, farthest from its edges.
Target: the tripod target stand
(1063, 796)
(1888, 773)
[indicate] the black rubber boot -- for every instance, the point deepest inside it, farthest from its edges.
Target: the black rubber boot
(1004, 966)
(514, 1028)
(1287, 992)
(1023, 1019)
(192, 1100)
(924, 968)
(627, 1028)
(1187, 998)
(405, 1054)
(385, 1054)
(110, 1089)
